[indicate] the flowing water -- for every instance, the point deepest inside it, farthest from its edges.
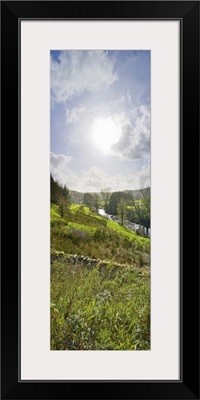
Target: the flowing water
(131, 225)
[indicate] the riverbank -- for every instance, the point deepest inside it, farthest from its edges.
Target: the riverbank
(128, 224)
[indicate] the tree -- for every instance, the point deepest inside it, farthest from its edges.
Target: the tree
(106, 196)
(92, 201)
(53, 190)
(59, 195)
(142, 209)
(96, 202)
(61, 208)
(88, 199)
(66, 194)
(121, 211)
(114, 200)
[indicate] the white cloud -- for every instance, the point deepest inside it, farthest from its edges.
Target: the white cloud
(143, 177)
(126, 98)
(124, 135)
(59, 159)
(73, 115)
(78, 71)
(95, 179)
(59, 166)
(106, 131)
(134, 141)
(92, 180)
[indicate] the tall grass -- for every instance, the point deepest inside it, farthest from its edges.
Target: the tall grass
(99, 309)
(102, 305)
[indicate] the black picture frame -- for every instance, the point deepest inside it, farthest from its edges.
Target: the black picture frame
(188, 386)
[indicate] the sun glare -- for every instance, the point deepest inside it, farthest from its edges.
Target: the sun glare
(105, 133)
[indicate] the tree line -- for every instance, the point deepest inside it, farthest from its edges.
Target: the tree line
(121, 204)
(60, 195)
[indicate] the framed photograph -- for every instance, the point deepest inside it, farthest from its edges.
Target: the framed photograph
(100, 126)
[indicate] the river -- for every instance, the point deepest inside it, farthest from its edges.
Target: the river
(104, 214)
(131, 225)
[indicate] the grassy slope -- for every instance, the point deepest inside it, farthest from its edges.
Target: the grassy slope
(95, 308)
(83, 232)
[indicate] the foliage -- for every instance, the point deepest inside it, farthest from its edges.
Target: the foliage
(115, 199)
(92, 201)
(99, 309)
(59, 195)
(100, 279)
(105, 193)
(122, 211)
(142, 210)
(100, 238)
(76, 197)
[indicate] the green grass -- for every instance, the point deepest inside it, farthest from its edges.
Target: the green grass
(99, 309)
(85, 228)
(55, 216)
(83, 232)
(131, 235)
(84, 209)
(103, 305)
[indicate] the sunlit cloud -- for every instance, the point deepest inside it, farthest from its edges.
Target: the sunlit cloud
(126, 98)
(134, 141)
(143, 177)
(106, 132)
(73, 115)
(94, 179)
(78, 71)
(122, 136)
(59, 159)
(100, 119)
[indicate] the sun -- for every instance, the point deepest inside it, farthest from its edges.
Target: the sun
(105, 133)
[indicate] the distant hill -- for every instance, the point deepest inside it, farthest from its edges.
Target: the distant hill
(137, 194)
(77, 197)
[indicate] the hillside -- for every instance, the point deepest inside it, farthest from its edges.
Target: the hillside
(100, 283)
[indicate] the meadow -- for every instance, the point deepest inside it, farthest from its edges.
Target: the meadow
(100, 283)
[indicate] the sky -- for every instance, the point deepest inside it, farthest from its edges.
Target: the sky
(100, 119)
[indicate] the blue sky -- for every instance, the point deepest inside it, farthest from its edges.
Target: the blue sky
(100, 119)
